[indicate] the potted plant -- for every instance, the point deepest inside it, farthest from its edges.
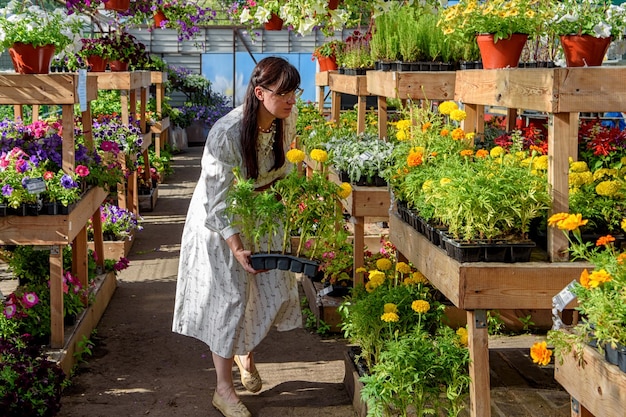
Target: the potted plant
(302, 16)
(491, 23)
(355, 57)
(92, 54)
(586, 29)
(123, 51)
(253, 14)
(28, 30)
(326, 54)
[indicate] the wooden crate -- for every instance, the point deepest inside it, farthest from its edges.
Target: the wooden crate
(115, 249)
(598, 387)
(323, 307)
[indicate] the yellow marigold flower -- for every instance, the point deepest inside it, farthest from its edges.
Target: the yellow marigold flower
(369, 287)
(572, 222)
(578, 179)
(404, 124)
(428, 185)
(361, 270)
(345, 189)
(623, 160)
(557, 218)
(605, 172)
(444, 181)
(401, 135)
(599, 277)
(540, 353)
(605, 240)
(470, 136)
(496, 151)
(458, 134)
(419, 149)
(419, 278)
(482, 153)
(376, 277)
(403, 268)
(383, 264)
(463, 336)
(319, 155)
(607, 188)
(458, 115)
(414, 159)
(444, 132)
(390, 308)
(623, 224)
(390, 317)
(420, 306)
(467, 152)
(541, 162)
(447, 107)
(295, 156)
(578, 166)
(426, 126)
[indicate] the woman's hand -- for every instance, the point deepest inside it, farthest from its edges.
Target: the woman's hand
(242, 255)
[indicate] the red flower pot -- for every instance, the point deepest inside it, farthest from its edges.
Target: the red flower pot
(117, 66)
(333, 4)
(327, 63)
(159, 17)
(584, 50)
(502, 54)
(29, 59)
(275, 23)
(117, 5)
(97, 63)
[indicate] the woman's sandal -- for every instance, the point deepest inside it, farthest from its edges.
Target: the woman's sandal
(228, 409)
(250, 380)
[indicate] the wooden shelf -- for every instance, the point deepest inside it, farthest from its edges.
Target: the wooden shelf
(58, 89)
(598, 386)
(161, 128)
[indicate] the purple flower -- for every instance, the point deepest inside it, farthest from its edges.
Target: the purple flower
(7, 190)
(67, 182)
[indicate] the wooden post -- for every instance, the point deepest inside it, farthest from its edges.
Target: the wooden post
(480, 395)
(358, 247)
(57, 337)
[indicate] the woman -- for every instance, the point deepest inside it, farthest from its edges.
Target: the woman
(220, 298)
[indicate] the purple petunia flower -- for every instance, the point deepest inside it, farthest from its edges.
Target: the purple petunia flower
(7, 190)
(67, 182)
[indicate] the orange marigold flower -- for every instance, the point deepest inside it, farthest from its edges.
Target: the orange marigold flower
(467, 152)
(536, 149)
(444, 132)
(458, 134)
(482, 153)
(605, 240)
(426, 126)
(540, 353)
(621, 258)
(414, 159)
(556, 218)
(584, 279)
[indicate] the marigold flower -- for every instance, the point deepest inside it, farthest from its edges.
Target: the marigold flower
(605, 240)
(467, 153)
(541, 162)
(383, 264)
(369, 287)
(572, 222)
(599, 277)
(444, 181)
(319, 155)
(623, 224)
(458, 134)
(390, 308)
(428, 185)
(390, 317)
(426, 126)
(496, 151)
(463, 336)
(605, 172)
(376, 278)
(345, 189)
(482, 153)
(556, 218)
(419, 278)
(404, 124)
(578, 179)
(444, 132)
(447, 107)
(470, 136)
(403, 268)
(295, 156)
(361, 270)
(458, 115)
(414, 159)
(584, 279)
(401, 135)
(540, 353)
(578, 166)
(420, 306)
(607, 188)
(621, 258)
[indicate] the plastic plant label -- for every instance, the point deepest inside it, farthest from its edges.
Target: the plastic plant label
(564, 297)
(35, 185)
(325, 291)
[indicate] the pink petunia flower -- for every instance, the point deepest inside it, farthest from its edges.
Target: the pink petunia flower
(30, 299)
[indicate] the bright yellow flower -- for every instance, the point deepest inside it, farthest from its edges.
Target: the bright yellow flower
(401, 135)
(403, 268)
(599, 277)
(463, 336)
(390, 317)
(602, 172)
(404, 124)
(578, 179)
(447, 107)
(444, 181)
(295, 156)
(319, 155)
(376, 277)
(390, 308)
(496, 151)
(555, 219)
(420, 306)
(578, 166)
(608, 188)
(623, 224)
(360, 270)
(470, 136)
(419, 278)
(541, 162)
(383, 264)
(345, 189)
(572, 222)
(540, 353)
(458, 115)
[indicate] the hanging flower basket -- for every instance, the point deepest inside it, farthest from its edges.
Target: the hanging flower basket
(275, 23)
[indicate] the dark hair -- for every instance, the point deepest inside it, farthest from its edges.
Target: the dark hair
(270, 71)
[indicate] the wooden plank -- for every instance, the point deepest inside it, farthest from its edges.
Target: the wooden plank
(348, 84)
(364, 201)
(42, 89)
(599, 386)
(484, 285)
(50, 230)
(123, 80)
(478, 346)
(158, 77)
(412, 85)
(322, 78)
(56, 297)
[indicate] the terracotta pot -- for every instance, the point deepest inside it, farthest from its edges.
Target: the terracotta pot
(117, 66)
(502, 54)
(97, 63)
(159, 17)
(117, 5)
(327, 63)
(29, 59)
(275, 23)
(333, 4)
(584, 50)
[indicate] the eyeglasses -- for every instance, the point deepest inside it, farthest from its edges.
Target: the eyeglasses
(295, 94)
